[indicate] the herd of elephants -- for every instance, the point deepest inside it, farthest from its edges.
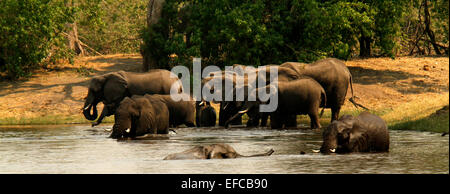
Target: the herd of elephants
(141, 104)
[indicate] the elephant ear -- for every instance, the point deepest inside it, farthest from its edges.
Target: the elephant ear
(146, 118)
(214, 154)
(115, 87)
(134, 108)
(207, 151)
(356, 138)
(358, 141)
(97, 83)
(344, 136)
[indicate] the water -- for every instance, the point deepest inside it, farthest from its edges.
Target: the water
(83, 149)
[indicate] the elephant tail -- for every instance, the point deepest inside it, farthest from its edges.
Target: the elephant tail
(323, 102)
(352, 99)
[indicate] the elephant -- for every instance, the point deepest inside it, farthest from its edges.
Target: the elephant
(301, 96)
(334, 77)
(112, 88)
(205, 114)
(138, 115)
(213, 151)
(229, 108)
(364, 133)
(224, 115)
(180, 112)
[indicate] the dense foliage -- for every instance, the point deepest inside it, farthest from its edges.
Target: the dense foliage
(259, 32)
(38, 33)
(111, 26)
(31, 32)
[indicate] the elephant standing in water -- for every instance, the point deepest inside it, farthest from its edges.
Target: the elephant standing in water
(364, 133)
(229, 109)
(205, 114)
(180, 111)
(333, 75)
(138, 115)
(301, 96)
(214, 151)
(112, 88)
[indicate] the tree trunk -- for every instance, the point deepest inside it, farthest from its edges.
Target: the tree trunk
(364, 44)
(430, 32)
(73, 41)
(154, 10)
(72, 35)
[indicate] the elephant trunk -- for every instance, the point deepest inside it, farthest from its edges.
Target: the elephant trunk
(88, 105)
(270, 152)
(227, 123)
(87, 112)
(115, 132)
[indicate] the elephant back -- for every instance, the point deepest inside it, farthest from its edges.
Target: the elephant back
(376, 129)
(158, 81)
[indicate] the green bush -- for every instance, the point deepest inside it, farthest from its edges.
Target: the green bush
(31, 33)
(261, 32)
(111, 26)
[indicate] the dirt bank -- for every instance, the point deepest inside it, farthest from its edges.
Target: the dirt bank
(392, 88)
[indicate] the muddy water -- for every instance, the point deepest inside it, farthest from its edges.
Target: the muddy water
(83, 149)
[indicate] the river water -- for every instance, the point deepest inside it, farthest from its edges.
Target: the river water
(83, 149)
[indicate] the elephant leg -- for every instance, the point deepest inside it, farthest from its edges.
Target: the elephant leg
(108, 110)
(335, 113)
(222, 115)
(275, 121)
(253, 121)
(291, 121)
(314, 119)
(102, 115)
(264, 118)
(190, 124)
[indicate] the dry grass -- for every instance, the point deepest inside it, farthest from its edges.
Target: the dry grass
(406, 89)
(56, 96)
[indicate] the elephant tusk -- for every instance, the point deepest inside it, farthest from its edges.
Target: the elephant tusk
(316, 151)
(87, 107)
(333, 150)
(128, 130)
(108, 130)
(243, 111)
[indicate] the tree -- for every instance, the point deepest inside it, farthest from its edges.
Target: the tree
(31, 34)
(260, 32)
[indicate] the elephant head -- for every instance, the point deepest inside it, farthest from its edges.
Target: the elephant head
(252, 102)
(337, 134)
(133, 117)
(123, 118)
(108, 88)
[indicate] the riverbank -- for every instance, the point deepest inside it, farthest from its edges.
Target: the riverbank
(406, 92)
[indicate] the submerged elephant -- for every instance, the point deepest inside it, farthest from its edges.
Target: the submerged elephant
(333, 75)
(364, 133)
(112, 88)
(138, 115)
(214, 151)
(205, 114)
(301, 96)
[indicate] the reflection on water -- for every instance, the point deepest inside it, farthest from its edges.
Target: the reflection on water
(83, 149)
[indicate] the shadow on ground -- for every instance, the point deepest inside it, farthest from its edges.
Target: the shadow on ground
(403, 82)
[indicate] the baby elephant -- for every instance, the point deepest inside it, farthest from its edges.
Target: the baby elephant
(138, 115)
(364, 133)
(214, 151)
